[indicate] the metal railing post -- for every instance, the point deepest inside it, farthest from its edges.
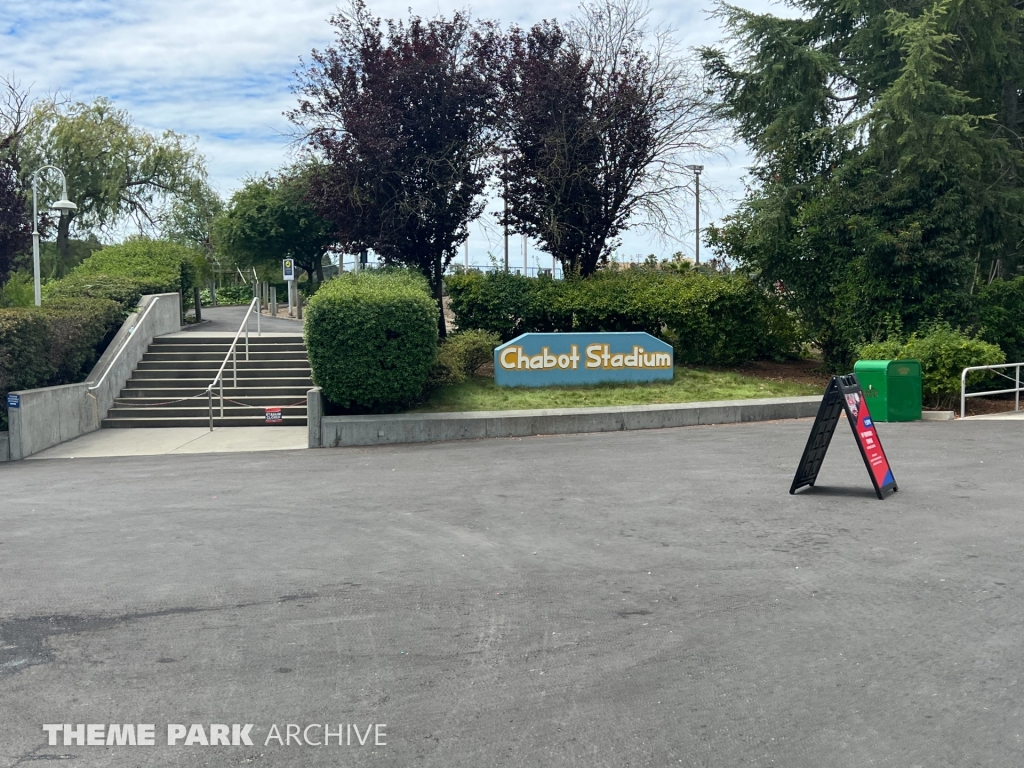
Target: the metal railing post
(209, 394)
(234, 358)
(222, 397)
(963, 392)
(1016, 404)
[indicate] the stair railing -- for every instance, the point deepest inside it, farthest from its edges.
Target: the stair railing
(232, 355)
(124, 343)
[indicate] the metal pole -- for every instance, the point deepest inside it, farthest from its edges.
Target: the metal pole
(260, 314)
(504, 201)
(465, 249)
(1016, 404)
(209, 392)
(697, 234)
(234, 362)
(526, 264)
(222, 397)
(35, 245)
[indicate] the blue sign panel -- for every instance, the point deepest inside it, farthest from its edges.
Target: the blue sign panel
(14, 401)
(545, 359)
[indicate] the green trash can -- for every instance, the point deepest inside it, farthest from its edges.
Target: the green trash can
(892, 388)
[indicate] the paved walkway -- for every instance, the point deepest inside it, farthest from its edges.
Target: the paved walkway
(638, 599)
(156, 441)
(222, 320)
(1006, 416)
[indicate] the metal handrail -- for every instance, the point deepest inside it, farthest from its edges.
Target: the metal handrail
(124, 344)
(233, 354)
(964, 394)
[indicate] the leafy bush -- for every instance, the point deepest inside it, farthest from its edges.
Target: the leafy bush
(709, 318)
(57, 343)
(80, 330)
(1001, 309)
(944, 352)
(123, 291)
(229, 294)
(18, 291)
(158, 266)
(461, 354)
(372, 339)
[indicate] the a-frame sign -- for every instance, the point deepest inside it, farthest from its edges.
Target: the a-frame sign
(844, 395)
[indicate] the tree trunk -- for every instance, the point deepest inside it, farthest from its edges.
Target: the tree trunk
(320, 270)
(437, 284)
(63, 231)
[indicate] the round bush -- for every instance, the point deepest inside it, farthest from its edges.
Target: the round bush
(124, 291)
(372, 339)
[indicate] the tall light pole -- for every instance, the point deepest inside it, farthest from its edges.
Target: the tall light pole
(61, 205)
(696, 173)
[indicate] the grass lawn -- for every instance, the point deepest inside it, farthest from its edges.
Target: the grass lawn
(479, 393)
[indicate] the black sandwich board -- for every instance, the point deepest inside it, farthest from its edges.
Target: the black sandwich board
(844, 395)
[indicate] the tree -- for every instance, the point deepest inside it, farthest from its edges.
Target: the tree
(115, 170)
(271, 219)
(190, 218)
(889, 159)
(402, 115)
(15, 215)
(15, 205)
(601, 118)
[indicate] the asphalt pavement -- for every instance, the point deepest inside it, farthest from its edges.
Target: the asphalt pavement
(650, 598)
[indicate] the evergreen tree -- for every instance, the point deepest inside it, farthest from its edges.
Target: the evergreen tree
(889, 158)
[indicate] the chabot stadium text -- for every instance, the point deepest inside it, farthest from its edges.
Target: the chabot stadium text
(217, 735)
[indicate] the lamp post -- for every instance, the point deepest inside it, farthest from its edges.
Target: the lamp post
(61, 205)
(696, 173)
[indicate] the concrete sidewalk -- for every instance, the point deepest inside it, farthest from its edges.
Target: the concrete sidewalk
(156, 441)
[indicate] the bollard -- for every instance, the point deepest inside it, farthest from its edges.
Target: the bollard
(273, 302)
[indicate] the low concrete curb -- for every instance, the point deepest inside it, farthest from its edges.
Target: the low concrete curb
(338, 431)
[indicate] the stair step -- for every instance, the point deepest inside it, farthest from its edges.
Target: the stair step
(161, 341)
(218, 357)
(292, 375)
(222, 349)
(188, 408)
(214, 365)
(169, 393)
(192, 421)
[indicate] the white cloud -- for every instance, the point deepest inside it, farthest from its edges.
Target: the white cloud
(222, 69)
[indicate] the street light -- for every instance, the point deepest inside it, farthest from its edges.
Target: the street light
(61, 205)
(696, 172)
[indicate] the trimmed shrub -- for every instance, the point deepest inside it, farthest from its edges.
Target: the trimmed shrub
(460, 355)
(1001, 310)
(57, 343)
(233, 294)
(158, 266)
(944, 352)
(710, 319)
(123, 291)
(372, 339)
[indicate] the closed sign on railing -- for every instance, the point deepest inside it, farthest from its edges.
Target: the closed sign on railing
(546, 359)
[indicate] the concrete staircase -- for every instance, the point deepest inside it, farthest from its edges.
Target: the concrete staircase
(177, 367)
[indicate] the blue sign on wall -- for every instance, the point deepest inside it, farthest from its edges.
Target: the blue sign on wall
(545, 359)
(14, 401)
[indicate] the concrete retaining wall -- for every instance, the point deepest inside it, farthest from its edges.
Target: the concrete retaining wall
(53, 415)
(429, 427)
(5, 446)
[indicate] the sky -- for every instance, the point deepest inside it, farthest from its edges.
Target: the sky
(222, 71)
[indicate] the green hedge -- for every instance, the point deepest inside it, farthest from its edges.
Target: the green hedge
(123, 291)
(460, 355)
(944, 352)
(372, 339)
(709, 319)
(158, 266)
(57, 343)
(1001, 310)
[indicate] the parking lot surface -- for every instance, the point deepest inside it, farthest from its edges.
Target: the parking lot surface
(629, 599)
